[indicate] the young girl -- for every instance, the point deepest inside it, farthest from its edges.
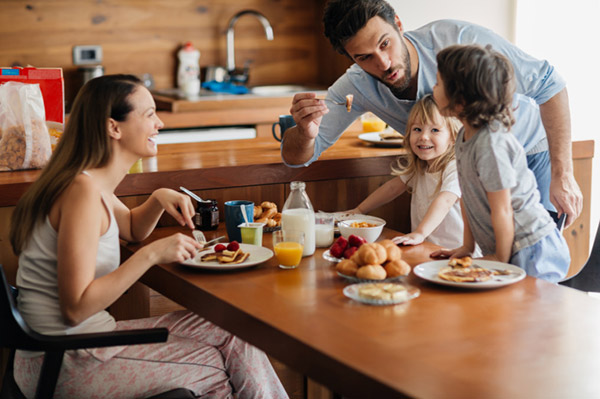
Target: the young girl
(66, 231)
(429, 172)
(501, 202)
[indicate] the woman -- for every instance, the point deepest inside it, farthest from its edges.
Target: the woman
(66, 231)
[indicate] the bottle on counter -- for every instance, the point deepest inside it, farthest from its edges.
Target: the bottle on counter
(188, 73)
(298, 214)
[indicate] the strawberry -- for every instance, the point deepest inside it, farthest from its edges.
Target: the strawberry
(336, 250)
(356, 241)
(341, 242)
(349, 252)
(220, 248)
(233, 246)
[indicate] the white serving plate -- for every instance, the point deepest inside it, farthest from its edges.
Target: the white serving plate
(257, 256)
(429, 271)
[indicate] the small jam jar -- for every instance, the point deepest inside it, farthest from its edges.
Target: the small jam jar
(207, 215)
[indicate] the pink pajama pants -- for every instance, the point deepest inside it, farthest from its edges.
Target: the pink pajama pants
(198, 356)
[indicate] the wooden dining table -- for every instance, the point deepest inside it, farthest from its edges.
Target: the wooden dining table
(530, 339)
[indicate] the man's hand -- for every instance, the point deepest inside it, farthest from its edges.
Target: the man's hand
(307, 111)
(299, 141)
(566, 196)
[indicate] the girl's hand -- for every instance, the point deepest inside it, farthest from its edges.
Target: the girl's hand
(177, 205)
(451, 253)
(176, 248)
(413, 238)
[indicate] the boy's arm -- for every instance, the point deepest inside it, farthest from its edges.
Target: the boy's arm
(503, 224)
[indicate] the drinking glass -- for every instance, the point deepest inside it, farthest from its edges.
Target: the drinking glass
(323, 229)
(288, 246)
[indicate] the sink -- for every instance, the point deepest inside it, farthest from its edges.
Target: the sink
(281, 90)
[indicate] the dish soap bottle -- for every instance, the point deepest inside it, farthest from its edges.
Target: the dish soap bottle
(298, 214)
(188, 73)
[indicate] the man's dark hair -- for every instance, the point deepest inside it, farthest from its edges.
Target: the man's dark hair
(344, 18)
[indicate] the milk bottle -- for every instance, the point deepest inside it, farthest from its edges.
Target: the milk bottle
(298, 214)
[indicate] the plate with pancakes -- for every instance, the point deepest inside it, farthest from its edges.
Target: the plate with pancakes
(246, 256)
(386, 138)
(470, 273)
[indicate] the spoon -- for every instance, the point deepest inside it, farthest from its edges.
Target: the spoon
(191, 194)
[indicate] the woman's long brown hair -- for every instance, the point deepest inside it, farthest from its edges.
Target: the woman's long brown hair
(85, 144)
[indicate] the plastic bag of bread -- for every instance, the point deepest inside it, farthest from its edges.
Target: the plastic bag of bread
(25, 142)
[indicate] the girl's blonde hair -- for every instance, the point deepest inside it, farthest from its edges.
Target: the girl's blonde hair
(85, 144)
(425, 111)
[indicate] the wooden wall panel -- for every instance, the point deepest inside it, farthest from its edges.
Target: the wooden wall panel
(144, 36)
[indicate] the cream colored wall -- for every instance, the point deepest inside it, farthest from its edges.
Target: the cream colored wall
(566, 36)
(497, 15)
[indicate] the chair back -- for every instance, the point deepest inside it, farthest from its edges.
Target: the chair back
(15, 333)
(588, 278)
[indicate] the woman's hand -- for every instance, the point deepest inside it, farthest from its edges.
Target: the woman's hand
(176, 248)
(177, 205)
(413, 238)
(459, 252)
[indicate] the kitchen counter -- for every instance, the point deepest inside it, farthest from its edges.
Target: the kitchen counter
(221, 109)
(222, 164)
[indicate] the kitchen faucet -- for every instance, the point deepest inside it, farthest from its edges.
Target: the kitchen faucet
(233, 74)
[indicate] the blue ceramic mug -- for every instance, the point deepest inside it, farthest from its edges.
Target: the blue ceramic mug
(285, 122)
(234, 217)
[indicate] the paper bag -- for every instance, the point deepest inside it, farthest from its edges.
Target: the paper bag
(24, 138)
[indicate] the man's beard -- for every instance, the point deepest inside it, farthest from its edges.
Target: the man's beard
(400, 87)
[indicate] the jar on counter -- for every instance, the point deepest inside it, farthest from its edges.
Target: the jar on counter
(207, 215)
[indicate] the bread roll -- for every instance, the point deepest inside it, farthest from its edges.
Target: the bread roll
(347, 267)
(371, 254)
(397, 268)
(268, 205)
(269, 212)
(371, 272)
(393, 251)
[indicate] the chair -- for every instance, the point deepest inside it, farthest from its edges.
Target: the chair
(588, 278)
(16, 334)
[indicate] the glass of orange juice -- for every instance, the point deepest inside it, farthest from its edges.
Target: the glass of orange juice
(371, 123)
(288, 246)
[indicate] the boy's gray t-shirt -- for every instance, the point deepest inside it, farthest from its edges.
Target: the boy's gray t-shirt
(492, 161)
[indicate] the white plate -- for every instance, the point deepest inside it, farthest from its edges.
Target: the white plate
(366, 280)
(257, 255)
(328, 256)
(374, 139)
(351, 291)
(429, 271)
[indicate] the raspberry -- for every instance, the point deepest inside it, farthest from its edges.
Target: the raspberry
(233, 246)
(220, 248)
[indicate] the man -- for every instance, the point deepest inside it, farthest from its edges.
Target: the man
(394, 68)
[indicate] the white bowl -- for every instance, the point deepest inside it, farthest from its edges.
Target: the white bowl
(368, 233)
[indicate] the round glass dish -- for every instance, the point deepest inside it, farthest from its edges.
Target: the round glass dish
(410, 292)
(364, 280)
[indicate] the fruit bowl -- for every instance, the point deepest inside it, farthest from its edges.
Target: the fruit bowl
(373, 226)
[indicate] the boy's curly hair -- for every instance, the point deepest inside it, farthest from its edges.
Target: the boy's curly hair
(480, 80)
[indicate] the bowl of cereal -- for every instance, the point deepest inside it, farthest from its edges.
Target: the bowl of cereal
(367, 227)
